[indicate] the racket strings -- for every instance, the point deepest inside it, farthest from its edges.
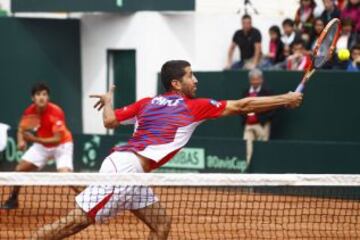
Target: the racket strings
(325, 45)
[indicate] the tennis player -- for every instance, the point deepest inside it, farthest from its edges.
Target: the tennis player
(43, 124)
(164, 124)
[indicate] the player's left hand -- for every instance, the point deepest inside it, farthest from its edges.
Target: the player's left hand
(103, 98)
(29, 137)
(22, 145)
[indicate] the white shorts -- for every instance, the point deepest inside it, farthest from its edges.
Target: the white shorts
(39, 155)
(102, 202)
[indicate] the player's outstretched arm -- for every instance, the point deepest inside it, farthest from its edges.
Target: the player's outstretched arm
(105, 102)
(262, 104)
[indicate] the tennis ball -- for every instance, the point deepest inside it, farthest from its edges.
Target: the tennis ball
(343, 54)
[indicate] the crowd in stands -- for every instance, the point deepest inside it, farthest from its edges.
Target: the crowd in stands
(290, 47)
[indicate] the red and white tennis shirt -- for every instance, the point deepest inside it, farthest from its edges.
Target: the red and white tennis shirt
(165, 123)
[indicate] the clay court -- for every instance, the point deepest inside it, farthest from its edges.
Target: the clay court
(199, 213)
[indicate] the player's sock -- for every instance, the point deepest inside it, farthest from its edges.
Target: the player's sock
(12, 201)
(15, 193)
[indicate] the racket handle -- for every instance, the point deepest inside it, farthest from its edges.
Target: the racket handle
(300, 87)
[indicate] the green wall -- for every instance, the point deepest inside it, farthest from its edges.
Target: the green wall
(330, 111)
(306, 157)
(200, 155)
(218, 155)
(34, 50)
(101, 5)
(124, 70)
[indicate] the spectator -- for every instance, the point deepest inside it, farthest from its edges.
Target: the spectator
(305, 15)
(300, 59)
(306, 37)
(290, 35)
(319, 25)
(348, 38)
(276, 48)
(341, 4)
(331, 11)
(352, 11)
(354, 63)
(256, 126)
(248, 39)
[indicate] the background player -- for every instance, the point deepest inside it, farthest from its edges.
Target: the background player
(165, 123)
(52, 139)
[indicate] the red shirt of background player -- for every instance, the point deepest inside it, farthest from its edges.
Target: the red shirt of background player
(52, 120)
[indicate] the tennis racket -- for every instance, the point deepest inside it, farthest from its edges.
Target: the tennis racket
(30, 123)
(323, 51)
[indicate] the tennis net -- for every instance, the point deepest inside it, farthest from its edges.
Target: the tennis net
(200, 206)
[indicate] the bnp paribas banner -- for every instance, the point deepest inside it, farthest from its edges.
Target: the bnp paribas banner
(200, 155)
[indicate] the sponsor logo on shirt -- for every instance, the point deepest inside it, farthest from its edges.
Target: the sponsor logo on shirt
(166, 102)
(215, 103)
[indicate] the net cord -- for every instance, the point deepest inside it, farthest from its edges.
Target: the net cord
(176, 179)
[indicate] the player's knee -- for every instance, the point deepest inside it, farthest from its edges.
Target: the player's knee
(24, 166)
(21, 167)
